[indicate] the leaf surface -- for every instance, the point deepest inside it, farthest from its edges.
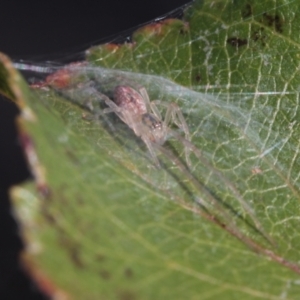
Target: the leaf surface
(227, 227)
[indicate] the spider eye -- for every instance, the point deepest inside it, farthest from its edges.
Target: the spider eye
(151, 122)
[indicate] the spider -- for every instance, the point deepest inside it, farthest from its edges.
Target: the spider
(143, 117)
(134, 108)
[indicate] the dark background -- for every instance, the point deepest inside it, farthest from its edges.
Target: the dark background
(42, 31)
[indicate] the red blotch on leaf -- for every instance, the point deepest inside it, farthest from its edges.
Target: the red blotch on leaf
(112, 47)
(157, 28)
(64, 77)
(60, 79)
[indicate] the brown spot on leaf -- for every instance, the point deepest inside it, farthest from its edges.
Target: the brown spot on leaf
(126, 295)
(44, 190)
(71, 155)
(100, 257)
(105, 274)
(50, 218)
(75, 257)
(259, 35)
(247, 11)
(185, 28)
(273, 22)
(237, 42)
(128, 273)
(198, 78)
(79, 200)
(73, 249)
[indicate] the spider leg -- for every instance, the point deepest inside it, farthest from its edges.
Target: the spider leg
(86, 95)
(145, 96)
(149, 145)
(111, 104)
(92, 99)
(151, 105)
(174, 115)
(179, 120)
(123, 115)
(114, 108)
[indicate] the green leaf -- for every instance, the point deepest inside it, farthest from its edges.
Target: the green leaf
(122, 228)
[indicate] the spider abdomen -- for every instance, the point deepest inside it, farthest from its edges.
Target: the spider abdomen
(129, 99)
